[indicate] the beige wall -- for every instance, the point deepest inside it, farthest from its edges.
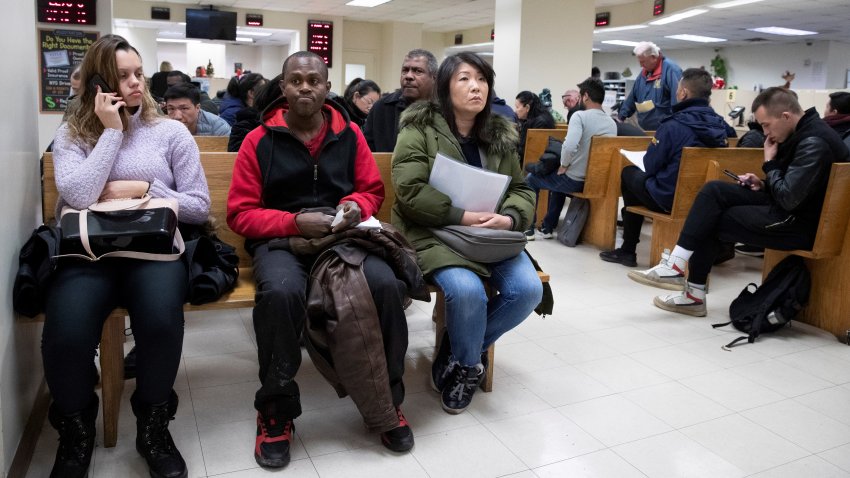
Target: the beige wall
(20, 357)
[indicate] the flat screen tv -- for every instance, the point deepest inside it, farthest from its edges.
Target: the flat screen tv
(210, 24)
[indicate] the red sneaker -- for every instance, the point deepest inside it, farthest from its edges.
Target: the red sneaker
(399, 438)
(273, 438)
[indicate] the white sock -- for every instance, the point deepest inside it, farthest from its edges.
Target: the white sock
(679, 257)
(696, 290)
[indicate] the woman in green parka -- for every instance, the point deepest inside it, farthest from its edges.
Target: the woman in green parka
(461, 127)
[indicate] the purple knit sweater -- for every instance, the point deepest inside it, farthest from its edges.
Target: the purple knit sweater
(162, 153)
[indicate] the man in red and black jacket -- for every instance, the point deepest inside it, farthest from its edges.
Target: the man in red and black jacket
(306, 154)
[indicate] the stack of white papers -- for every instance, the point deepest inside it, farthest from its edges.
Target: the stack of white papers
(470, 188)
(636, 157)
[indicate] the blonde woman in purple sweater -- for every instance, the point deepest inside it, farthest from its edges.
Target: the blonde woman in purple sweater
(117, 146)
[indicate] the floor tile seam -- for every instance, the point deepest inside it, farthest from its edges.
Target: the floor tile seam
(788, 463)
(765, 385)
(771, 402)
(613, 448)
(807, 372)
(830, 462)
(198, 388)
(789, 440)
(197, 430)
(730, 411)
(553, 406)
(797, 399)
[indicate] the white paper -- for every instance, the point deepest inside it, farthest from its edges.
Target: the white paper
(56, 58)
(636, 157)
(371, 222)
(470, 188)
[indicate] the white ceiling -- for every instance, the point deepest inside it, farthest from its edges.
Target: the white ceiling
(830, 18)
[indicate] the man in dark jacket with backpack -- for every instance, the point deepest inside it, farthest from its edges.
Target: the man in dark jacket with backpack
(781, 211)
(693, 123)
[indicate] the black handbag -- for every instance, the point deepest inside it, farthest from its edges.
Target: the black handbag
(144, 228)
(480, 244)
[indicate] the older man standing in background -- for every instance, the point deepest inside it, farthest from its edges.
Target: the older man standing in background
(654, 92)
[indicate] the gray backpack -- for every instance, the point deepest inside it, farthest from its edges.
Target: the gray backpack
(570, 230)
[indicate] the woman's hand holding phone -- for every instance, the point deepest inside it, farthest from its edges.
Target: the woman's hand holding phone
(107, 105)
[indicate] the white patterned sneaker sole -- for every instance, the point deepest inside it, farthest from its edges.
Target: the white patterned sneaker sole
(694, 309)
(653, 280)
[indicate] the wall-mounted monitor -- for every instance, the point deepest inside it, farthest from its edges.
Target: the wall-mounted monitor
(320, 38)
(210, 24)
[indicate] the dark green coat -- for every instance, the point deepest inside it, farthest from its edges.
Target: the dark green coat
(418, 206)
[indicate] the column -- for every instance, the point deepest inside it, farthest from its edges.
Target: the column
(542, 44)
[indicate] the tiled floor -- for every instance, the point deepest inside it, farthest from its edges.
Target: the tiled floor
(608, 386)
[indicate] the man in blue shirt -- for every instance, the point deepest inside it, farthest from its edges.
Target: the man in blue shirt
(654, 91)
(183, 103)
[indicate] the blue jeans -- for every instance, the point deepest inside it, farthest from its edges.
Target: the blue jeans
(474, 322)
(559, 186)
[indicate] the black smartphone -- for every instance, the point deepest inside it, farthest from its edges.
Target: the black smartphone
(97, 80)
(731, 175)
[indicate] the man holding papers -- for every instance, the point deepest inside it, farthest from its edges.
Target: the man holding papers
(569, 177)
(693, 123)
(307, 155)
(461, 127)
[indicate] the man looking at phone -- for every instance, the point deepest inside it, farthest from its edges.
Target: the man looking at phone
(307, 154)
(693, 123)
(183, 103)
(781, 211)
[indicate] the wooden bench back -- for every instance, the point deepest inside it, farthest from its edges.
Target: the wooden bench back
(536, 142)
(605, 152)
(693, 171)
(832, 228)
(385, 166)
(561, 125)
(215, 144)
(749, 160)
(218, 168)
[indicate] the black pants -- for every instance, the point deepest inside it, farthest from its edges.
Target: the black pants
(727, 212)
(280, 313)
(82, 296)
(633, 187)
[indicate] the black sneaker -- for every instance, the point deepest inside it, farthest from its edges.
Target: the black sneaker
(529, 234)
(748, 250)
(440, 369)
(619, 256)
(457, 394)
(399, 438)
(273, 438)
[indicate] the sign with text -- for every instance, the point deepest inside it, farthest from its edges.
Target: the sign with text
(77, 12)
(320, 36)
(60, 51)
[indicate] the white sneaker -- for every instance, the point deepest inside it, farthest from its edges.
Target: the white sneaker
(684, 302)
(529, 234)
(664, 276)
(544, 235)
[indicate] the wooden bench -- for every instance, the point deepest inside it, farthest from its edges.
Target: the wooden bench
(536, 142)
(693, 173)
(384, 161)
(213, 144)
(828, 260)
(602, 187)
(218, 168)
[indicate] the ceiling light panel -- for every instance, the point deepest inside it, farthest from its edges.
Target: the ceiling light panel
(366, 3)
(696, 38)
(782, 31)
(619, 29)
(621, 43)
(734, 3)
(679, 16)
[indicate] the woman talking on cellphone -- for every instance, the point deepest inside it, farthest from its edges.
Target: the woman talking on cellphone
(116, 146)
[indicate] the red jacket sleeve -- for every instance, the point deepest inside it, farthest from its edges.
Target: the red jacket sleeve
(368, 186)
(246, 215)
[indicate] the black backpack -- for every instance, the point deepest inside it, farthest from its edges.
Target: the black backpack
(768, 308)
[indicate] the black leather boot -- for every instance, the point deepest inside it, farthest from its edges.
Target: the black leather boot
(154, 442)
(76, 440)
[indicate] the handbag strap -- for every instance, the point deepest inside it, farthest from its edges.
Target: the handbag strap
(121, 204)
(146, 256)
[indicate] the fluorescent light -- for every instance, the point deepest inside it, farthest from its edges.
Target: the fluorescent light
(176, 40)
(734, 3)
(245, 39)
(679, 16)
(366, 3)
(619, 29)
(596, 49)
(253, 34)
(621, 43)
(782, 31)
(696, 38)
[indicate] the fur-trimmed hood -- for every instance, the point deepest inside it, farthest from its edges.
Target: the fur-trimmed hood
(502, 133)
